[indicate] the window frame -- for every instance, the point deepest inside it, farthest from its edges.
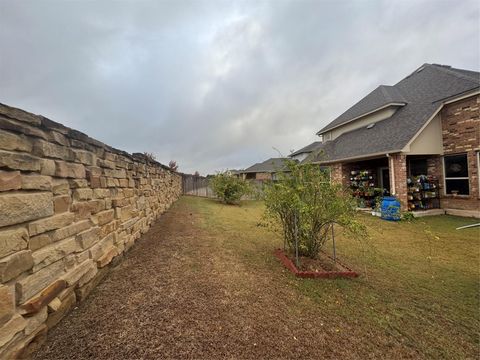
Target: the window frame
(478, 172)
(445, 178)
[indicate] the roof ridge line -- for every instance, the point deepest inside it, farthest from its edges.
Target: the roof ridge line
(385, 92)
(451, 72)
(413, 72)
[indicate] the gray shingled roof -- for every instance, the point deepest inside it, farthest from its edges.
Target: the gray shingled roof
(307, 149)
(422, 91)
(268, 166)
(378, 98)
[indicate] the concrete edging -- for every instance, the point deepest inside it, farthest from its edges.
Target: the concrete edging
(314, 274)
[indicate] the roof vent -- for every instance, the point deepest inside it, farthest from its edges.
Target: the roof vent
(369, 126)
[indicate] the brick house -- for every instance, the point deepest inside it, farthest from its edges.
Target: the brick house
(418, 140)
(263, 171)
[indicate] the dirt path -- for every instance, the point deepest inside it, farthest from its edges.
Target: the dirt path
(178, 294)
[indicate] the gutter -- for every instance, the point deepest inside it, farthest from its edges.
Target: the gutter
(374, 155)
(392, 175)
(463, 95)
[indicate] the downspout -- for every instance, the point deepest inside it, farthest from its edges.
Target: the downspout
(392, 177)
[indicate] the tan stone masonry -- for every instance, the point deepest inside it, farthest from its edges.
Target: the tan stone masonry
(70, 206)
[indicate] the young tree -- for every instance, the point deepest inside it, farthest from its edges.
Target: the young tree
(150, 156)
(173, 165)
(229, 188)
(305, 204)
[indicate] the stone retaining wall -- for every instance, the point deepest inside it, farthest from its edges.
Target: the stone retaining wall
(70, 206)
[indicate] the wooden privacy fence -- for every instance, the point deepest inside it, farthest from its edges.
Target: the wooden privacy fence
(196, 186)
(200, 186)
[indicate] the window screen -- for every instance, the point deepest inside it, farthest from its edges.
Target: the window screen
(456, 174)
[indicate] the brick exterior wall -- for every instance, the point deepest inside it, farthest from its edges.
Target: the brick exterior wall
(263, 176)
(461, 134)
(435, 168)
(340, 173)
(398, 178)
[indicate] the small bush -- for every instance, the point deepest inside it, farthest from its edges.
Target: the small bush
(229, 188)
(151, 158)
(408, 216)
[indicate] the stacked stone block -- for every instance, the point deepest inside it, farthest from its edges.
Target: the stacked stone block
(70, 206)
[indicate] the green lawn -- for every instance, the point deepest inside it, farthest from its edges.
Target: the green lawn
(419, 284)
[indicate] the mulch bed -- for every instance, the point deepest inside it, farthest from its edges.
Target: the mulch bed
(324, 266)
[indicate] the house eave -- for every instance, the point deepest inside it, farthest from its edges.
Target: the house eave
(359, 157)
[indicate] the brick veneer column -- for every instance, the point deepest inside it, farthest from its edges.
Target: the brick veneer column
(336, 173)
(340, 173)
(398, 178)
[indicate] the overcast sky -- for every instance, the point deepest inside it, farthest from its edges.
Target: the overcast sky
(218, 84)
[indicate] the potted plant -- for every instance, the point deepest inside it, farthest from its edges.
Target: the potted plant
(377, 209)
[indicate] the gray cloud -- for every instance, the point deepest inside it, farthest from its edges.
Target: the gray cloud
(216, 84)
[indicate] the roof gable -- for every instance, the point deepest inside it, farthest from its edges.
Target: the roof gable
(432, 83)
(424, 92)
(307, 149)
(428, 84)
(379, 98)
(270, 165)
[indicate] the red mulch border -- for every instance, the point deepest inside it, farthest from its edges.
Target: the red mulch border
(314, 274)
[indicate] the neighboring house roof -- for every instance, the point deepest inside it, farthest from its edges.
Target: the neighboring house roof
(319, 153)
(307, 149)
(268, 166)
(423, 92)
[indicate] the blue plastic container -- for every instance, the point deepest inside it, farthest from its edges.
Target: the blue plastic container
(390, 208)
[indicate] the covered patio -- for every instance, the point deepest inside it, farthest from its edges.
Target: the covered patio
(415, 180)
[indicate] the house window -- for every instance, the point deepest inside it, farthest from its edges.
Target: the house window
(478, 172)
(456, 174)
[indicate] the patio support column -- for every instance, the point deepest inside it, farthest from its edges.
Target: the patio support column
(340, 173)
(398, 178)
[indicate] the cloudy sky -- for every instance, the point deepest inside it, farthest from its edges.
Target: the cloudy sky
(218, 84)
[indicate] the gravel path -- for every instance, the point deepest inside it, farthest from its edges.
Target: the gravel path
(179, 294)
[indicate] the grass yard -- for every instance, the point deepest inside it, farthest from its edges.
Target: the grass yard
(203, 283)
(419, 289)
